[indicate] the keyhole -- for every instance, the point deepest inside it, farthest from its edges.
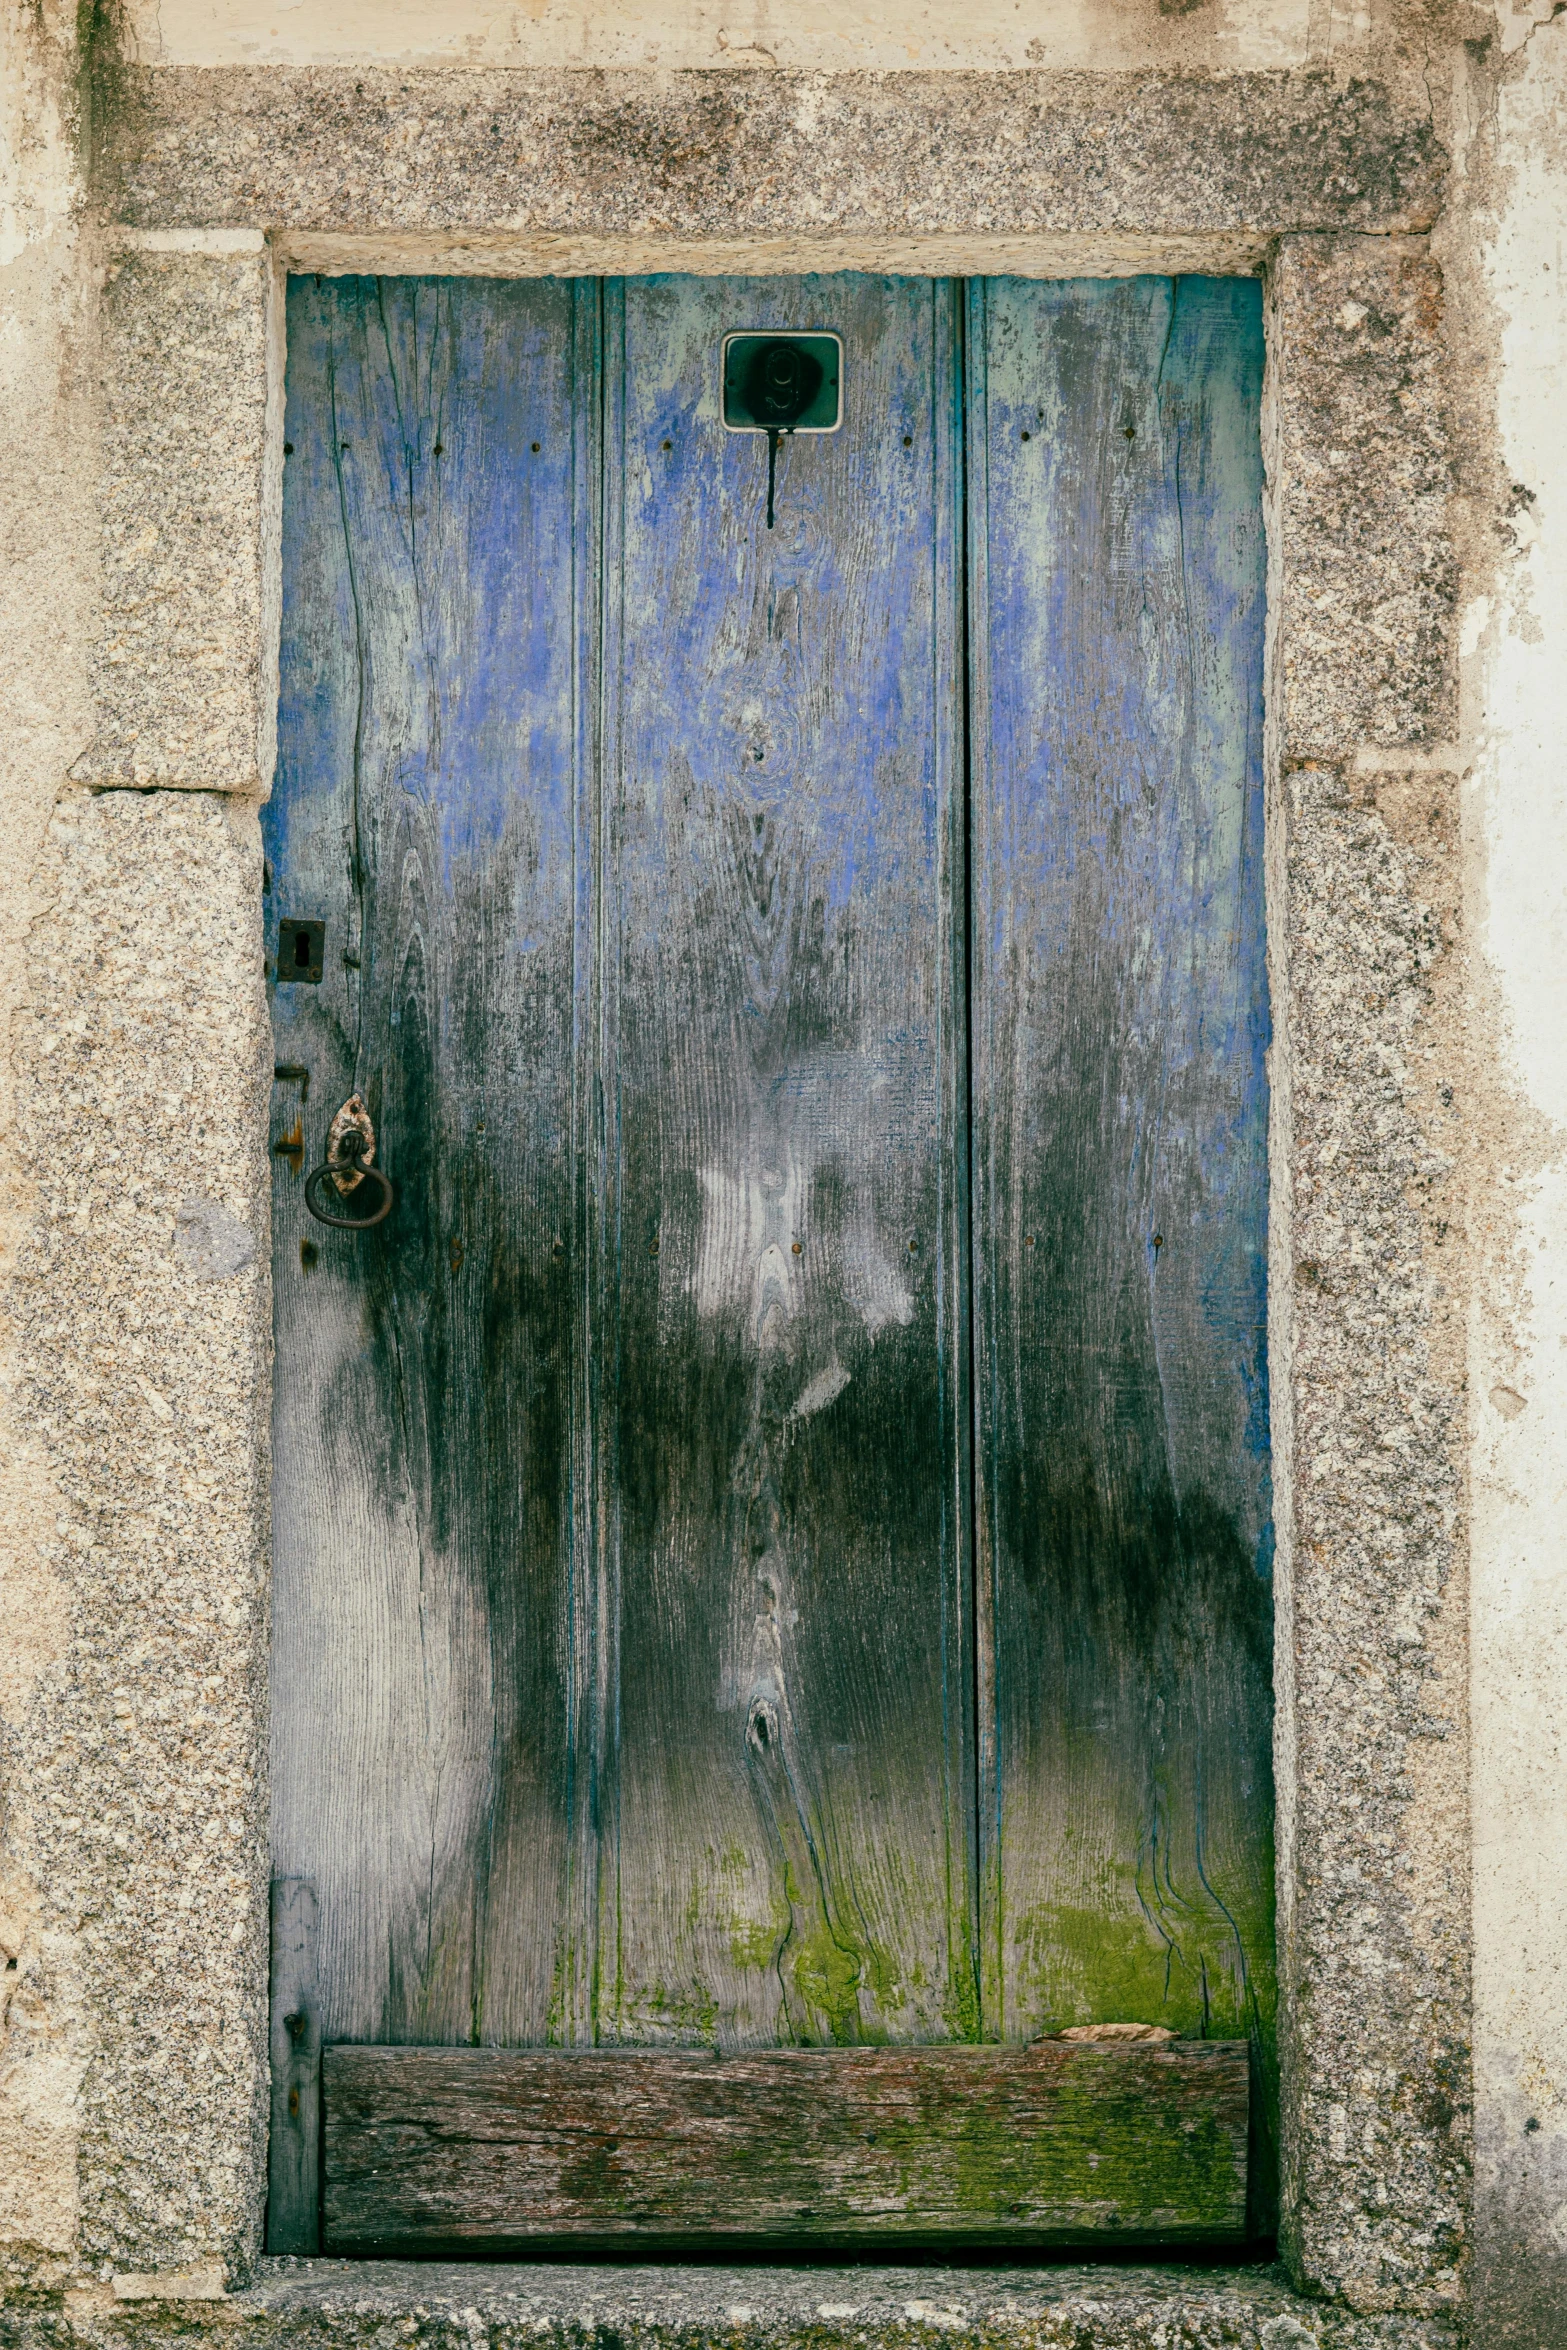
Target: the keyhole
(301, 950)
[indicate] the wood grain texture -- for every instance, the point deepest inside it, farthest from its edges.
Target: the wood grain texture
(786, 1788)
(471, 2149)
(294, 2049)
(1120, 1029)
(439, 555)
(660, 1660)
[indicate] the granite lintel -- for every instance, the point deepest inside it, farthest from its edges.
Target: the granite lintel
(367, 149)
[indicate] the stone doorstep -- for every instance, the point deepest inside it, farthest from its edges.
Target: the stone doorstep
(390, 2303)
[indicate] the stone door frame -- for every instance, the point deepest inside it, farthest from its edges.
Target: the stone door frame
(144, 1309)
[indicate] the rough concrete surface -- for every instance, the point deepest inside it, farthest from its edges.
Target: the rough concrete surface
(135, 1761)
(185, 666)
(725, 154)
(330, 2305)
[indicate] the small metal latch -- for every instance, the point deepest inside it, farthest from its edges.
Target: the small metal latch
(346, 1169)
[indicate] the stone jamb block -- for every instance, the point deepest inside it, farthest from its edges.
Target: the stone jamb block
(185, 669)
(1365, 1307)
(1362, 520)
(139, 1307)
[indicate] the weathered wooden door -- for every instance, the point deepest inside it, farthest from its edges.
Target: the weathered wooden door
(771, 1532)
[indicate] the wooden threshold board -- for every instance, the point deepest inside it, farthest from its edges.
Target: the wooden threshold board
(476, 2150)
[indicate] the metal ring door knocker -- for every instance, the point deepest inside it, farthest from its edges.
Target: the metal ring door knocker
(350, 1147)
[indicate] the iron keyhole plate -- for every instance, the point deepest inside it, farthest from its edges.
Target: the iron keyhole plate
(817, 371)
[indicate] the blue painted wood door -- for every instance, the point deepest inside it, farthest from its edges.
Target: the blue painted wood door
(771, 1535)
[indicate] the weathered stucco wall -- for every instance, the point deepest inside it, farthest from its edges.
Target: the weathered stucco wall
(1516, 817)
(1416, 850)
(889, 36)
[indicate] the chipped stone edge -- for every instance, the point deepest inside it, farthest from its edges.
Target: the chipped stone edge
(221, 243)
(1106, 253)
(203, 2283)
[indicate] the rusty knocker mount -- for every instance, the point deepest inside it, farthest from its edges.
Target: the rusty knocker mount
(350, 1147)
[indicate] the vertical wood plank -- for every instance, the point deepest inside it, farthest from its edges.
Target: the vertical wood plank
(439, 560)
(787, 1798)
(1119, 1152)
(294, 2144)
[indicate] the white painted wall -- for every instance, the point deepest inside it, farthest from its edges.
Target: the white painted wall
(1516, 681)
(826, 35)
